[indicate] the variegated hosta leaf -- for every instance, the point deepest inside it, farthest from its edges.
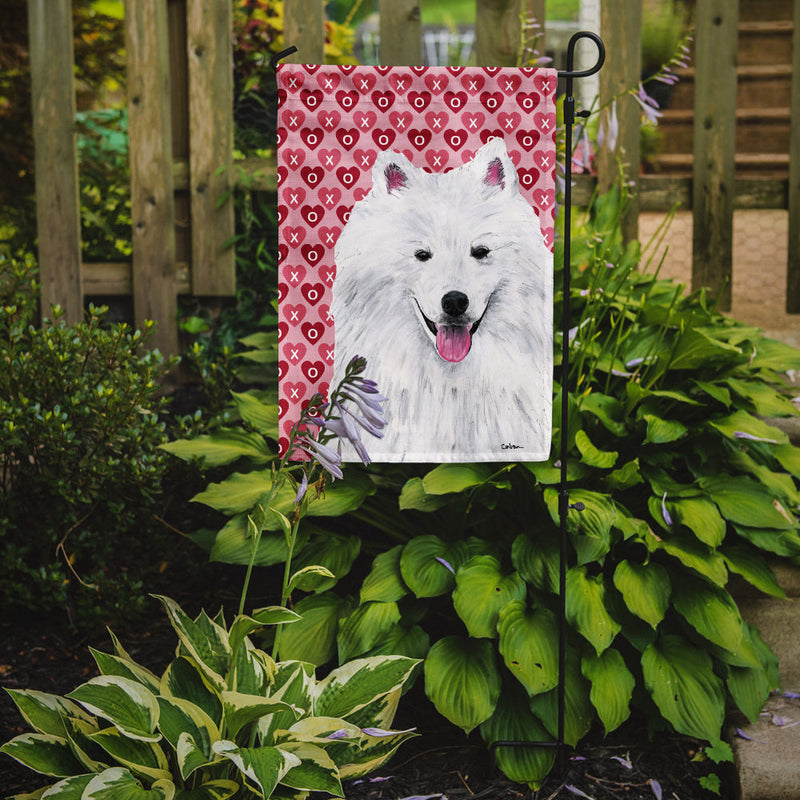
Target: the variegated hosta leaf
(183, 679)
(462, 680)
(125, 668)
(117, 783)
(45, 712)
(385, 581)
(244, 625)
(481, 591)
(78, 733)
(179, 718)
(586, 608)
(211, 790)
(262, 766)
(242, 709)
(612, 686)
(373, 753)
(358, 683)
(126, 704)
(68, 789)
(316, 771)
(44, 753)
(252, 670)
(513, 721)
(646, 589)
(529, 645)
(145, 759)
(334, 554)
(294, 685)
(683, 685)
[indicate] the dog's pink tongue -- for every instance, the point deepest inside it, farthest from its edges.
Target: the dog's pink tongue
(453, 341)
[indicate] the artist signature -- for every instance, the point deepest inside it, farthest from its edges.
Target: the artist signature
(512, 447)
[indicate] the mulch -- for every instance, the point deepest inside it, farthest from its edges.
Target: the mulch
(45, 654)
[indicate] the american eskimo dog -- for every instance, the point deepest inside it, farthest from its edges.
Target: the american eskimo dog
(444, 283)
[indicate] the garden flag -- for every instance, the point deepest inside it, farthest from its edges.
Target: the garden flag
(416, 209)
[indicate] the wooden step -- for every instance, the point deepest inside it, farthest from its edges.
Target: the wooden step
(754, 10)
(766, 165)
(765, 42)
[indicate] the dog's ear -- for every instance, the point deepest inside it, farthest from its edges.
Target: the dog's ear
(392, 173)
(494, 166)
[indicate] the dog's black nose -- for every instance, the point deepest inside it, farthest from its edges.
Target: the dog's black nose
(455, 303)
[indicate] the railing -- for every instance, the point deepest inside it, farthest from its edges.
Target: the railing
(181, 134)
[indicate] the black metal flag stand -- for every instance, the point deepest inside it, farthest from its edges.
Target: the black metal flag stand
(564, 506)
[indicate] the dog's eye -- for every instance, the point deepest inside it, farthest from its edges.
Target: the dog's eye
(480, 252)
(423, 255)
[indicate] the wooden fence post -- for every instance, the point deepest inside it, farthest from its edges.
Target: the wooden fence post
(621, 28)
(793, 267)
(714, 190)
(56, 161)
(400, 32)
(304, 27)
(210, 55)
(498, 32)
(152, 201)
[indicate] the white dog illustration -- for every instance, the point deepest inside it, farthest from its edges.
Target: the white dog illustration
(444, 283)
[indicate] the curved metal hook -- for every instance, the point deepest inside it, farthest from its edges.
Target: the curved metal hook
(273, 62)
(570, 72)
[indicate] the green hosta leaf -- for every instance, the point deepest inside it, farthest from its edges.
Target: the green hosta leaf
(717, 392)
(182, 679)
(125, 668)
(529, 645)
(537, 561)
(385, 582)
(612, 687)
(365, 627)
(481, 591)
(126, 704)
(709, 610)
(645, 588)
(357, 684)
(740, 422)
(608, 410)
(586, 608)
(237, 493)
(399, 640)
(683, 685)
(753, 567)
(233, 544)
(263, 766)
(312, 577)
(242, 709)
(414, 497)
(625, 477)
(144, 759)
(578, 710)
(334, 553)
(782, 543)
(701, 517)
(44, 753)
(767, 402)
(428, 565)
(749, 688)
(512, 721)
(548, 474)
(313, 638)
(774, 355)
(601, 459)
(270, 615)
(693, 554)
(663, 431)
(788, 456)
(45, 712)
(695, 349)
(462, 680)
(261, 416)
(316, 772)
(448, 478)
(589, 528)
(78, 733)
(117, 783)
(212, 790)
(223, 446)
(745, 502)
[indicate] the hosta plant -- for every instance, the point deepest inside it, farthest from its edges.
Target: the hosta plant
(224, 720)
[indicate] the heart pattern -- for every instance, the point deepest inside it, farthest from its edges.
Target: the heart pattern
(332, 123)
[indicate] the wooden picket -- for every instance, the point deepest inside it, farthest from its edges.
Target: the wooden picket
(181, 133)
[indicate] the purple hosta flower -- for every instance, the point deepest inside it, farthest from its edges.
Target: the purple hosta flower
(577, 792)
(376, 779)
(301, 489)
(445, 563)
(380, 732)
(664, 512)
(649, 106)
(752, 438)
(342, 733)
(608, 131)
(582, 154)
(624, 761)
(791, 695)
(742, 735)
(345, 428)
(655, 787)
(327, 458)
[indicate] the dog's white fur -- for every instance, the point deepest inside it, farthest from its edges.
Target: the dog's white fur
(495, 403)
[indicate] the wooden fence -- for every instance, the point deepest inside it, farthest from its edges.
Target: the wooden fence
(181, 133)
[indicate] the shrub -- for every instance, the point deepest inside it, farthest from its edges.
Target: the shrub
(79, 427)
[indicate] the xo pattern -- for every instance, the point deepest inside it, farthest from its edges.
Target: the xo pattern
(332, 123)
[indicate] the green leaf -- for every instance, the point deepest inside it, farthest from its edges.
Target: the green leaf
(683, 685)
(182, 679)
(44, 712)
(261, 416)
(766, 401)
(385, 581)
(512, 721)
(212, 790)
(529, 645)
(237, 493)
(178, 717)
(125, 668)
(774, 355)
(223, 446)
(746, 561)
(414, 497)
(745, 502)
(126, 704)
(586, 608)
(782, 543)
(696, 349)
(590, 454)
(627, 476)
(241, 709)
(645, 588)
(691, 553)
(422, 567)
(608, 410)
(244, 625)
(264, 766)
(481, 591)
(316, 772)
(448, 478)
(68, 789)
(44, 753)
(365, 627)
(709, 609)
(589, 528)
(234, 545)
(663, 431)
(612, 687)
(145, 759)
(462, 680)
(701, 517)
(740, 422)
(313, 638)
(117, 783)
(537, 560)
(334, 553)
